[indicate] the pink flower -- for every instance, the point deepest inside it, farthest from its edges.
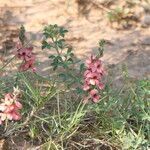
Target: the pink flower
(98, 67)
(10, 106)
(101, 86)
(94, 95)
(90, 61)
(92, 77)
(8, 98)
(25, 53)
(18, 105)
(27, 57)
(2, 107)
(28, 65)
(86, 86)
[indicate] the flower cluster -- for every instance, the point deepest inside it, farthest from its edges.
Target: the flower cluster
(92, 78)
(10, 106)
(27, 56)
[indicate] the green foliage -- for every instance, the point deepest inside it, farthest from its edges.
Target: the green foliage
(63, 57)
(54, 39)
(101, 47)
(22, 36)
(54, 31)
(118, 14)
(127, 114)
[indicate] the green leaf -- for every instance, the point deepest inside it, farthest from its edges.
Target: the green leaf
(63, 76)
(52, 56)
(145, 117)
(46, 45)
(79, 90)
(60, 43)
(82, 66)
(70, 60)
(63, 32)
(22, 36)
(69, 50)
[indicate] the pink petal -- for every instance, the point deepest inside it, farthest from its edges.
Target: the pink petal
(16, 116)
(8, 98)
(2, 107)
(101, 86)
(92, 82)
(34, 69)
(93, 68)
(10, 108)
(18, 105)
(86, 87)
(93, 92)
(96, 99)
(86, 73)
(9, 116)
(3, 116)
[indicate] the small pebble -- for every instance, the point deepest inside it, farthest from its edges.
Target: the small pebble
(145, 41)
(146, 21)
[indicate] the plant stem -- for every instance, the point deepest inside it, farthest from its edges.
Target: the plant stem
(7, 62)
(58, 108)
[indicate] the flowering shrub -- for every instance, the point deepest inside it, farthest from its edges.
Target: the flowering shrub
(92, 77)
(10, 106)
(27, 57)
(25, 53)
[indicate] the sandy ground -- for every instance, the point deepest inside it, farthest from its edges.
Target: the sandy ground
(130, 47)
